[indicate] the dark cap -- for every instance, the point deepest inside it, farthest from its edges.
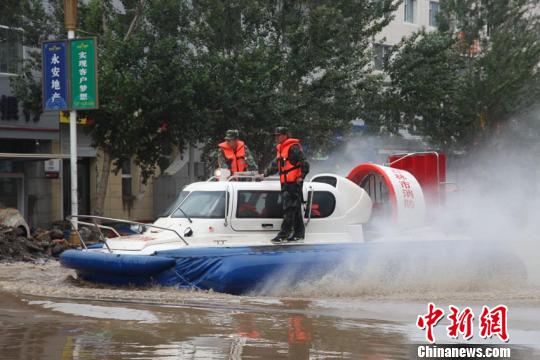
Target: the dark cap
(281, 130)
(231, 135)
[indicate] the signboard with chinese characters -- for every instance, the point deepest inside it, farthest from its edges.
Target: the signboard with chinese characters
(83, 60)
(407, 195)
(52, 168)
(394, 187)
(55, 84)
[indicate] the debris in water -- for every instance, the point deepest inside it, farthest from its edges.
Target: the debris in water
(15, 246)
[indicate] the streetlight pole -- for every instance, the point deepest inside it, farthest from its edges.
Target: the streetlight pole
(70, 20)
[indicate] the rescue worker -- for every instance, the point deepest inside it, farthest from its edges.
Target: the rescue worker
(234, 154)
(292, 167)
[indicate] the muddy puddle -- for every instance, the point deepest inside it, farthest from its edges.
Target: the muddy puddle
(45, 314)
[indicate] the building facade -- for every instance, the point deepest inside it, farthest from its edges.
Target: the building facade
(410, 17)
(26, 142)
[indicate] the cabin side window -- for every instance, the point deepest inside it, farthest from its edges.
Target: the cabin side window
(330, 180)
(322, 205)
(202, 205)
(259, 205)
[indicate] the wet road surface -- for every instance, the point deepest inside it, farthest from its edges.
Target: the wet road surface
(45, 315)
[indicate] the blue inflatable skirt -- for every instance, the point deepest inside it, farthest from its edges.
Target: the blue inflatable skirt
(239, 270)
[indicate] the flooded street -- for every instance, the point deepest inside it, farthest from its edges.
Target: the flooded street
(45, 329)
(45, 314)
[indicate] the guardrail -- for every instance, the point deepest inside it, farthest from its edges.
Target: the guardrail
(243, 176)
(98, 226)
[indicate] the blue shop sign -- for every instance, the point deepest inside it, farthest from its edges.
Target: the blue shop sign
(55, 85)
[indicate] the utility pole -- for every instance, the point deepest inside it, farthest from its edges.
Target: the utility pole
(70, 20)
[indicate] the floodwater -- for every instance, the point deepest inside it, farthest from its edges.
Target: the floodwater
(44, 314)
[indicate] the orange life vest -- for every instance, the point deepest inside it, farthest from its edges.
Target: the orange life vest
(288, 173)
(237, 156)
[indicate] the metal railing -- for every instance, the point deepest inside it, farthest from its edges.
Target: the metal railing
(309, 202)
(100, 226)
(244, 176)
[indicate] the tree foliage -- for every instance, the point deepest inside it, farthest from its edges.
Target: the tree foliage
(428, 90)
(177, 71)
(28, 15)
(461, 83)
(303, 64)
(144, 82)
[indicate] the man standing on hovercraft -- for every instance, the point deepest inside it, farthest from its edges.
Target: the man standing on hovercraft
(234, 154)
(292, 167)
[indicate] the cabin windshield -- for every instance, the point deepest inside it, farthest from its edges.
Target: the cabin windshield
(169, 210)
(202, 204)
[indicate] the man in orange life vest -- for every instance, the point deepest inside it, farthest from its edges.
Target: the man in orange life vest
(234, 154)
(292, 167)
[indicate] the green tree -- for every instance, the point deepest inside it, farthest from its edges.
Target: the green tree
(460, 84)
(29, 15)
(427, 93)
(143, 79)
(304, 64)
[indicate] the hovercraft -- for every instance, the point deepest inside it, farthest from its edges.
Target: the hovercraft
(216, 235)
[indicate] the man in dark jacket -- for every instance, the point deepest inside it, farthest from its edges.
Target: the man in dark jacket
(292, 167)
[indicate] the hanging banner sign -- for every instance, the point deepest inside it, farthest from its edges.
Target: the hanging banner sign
(54, 67)
(83, 60)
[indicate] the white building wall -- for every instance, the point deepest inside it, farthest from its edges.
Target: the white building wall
(399, 28)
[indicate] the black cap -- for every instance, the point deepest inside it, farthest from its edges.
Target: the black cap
(281, 130)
